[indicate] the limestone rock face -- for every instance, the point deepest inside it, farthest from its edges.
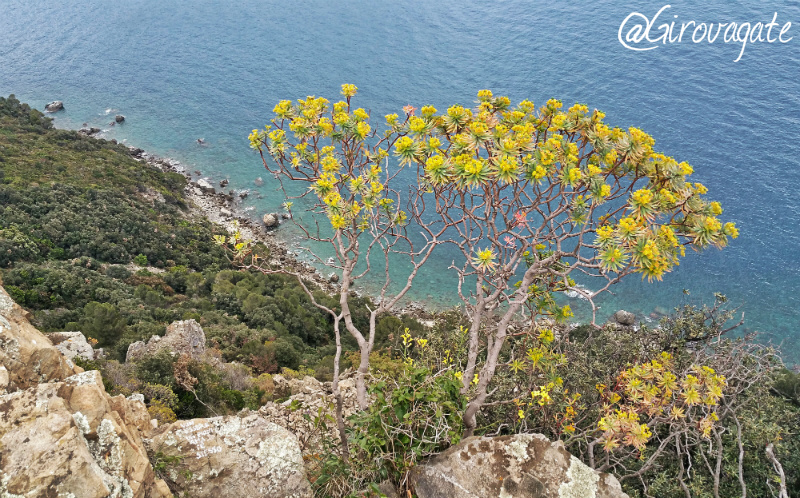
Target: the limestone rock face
(60, 433)
(519, 466)
(68, 437)
(72, 344)
(27, 357)
(182, 337)
(233, 456)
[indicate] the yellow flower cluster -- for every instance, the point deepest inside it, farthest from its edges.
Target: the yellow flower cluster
(485, 259)
(428, 111)
(417, 125)
(542, 394)
(349, 90)
(283, 108)
(653, 389)
(642, 197)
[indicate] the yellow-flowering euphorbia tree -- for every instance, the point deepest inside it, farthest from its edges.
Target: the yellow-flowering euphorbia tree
(533, 198)
(334, 149)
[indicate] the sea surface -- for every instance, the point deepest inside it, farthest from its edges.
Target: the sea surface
(214, 69)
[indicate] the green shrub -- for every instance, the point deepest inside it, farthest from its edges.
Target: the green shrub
(118, 272)
(102, 321)
(413, 416)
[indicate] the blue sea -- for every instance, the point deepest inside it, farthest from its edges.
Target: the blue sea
(214, 69)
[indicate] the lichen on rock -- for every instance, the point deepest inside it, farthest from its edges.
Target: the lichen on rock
(582, 481)
(233, 456)
(515, 466)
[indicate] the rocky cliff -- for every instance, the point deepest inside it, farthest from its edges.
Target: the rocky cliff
(63, 435)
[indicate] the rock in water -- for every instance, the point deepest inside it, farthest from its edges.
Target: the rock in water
(518, 466)
(90, 131)
(270, 220)
(119, 118)
(182, 337)
(223, 183)
(54, 106)
(205, 186)
(626, 318)
(233, 456)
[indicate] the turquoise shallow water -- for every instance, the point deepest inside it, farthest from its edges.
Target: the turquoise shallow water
(179, 71)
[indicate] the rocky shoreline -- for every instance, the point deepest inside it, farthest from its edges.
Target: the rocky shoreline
(221, 208)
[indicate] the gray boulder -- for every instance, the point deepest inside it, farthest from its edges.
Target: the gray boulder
(270, 220)
(518, 466)
(182, 337)
(54, 106)
(625, 318)
(233, 456)
(205, 186)
(72, 344)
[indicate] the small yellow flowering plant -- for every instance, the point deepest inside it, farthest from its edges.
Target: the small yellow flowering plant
(650, 394)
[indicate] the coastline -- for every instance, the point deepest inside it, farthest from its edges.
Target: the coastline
(204, 201)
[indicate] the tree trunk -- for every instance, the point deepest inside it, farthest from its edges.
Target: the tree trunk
(338, 395)
(361, 384)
